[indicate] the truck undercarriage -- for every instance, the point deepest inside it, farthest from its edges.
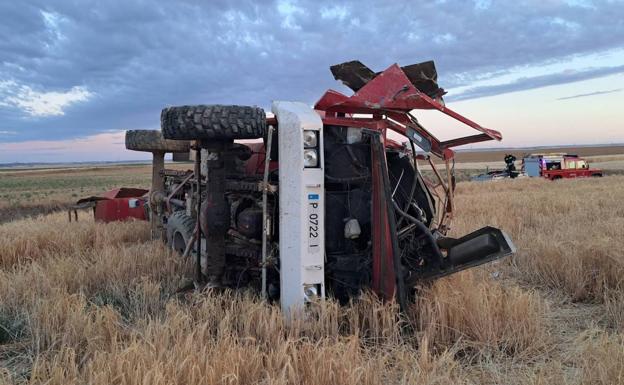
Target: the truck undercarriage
(326, 203)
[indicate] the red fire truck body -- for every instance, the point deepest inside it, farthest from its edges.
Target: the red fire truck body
(559, 166)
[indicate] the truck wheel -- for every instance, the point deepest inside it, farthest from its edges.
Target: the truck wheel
(213, 122)
(153, 141)
(180, 228)
(597, 175)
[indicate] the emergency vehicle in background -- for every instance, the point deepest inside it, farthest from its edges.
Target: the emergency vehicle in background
(558, 166)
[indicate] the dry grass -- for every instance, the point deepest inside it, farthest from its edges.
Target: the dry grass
(484, 315)
(28, 192)
(602, 356)
(97, 304)
(42, 237)
(569, 233)
(614, 306)
(110, 313)
(606, 158)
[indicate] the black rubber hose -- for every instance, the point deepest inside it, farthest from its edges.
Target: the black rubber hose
(347, 180)
(178, 202)
(403, 213)
(421, 226)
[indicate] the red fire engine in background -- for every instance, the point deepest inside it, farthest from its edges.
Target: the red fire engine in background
(558, 166)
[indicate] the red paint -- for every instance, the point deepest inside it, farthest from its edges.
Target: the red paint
(384, 281)
(255, 164)
(124, 192)
(116, 204)
(392, 94)
(119, 209)
(393, 144)
(570, 169)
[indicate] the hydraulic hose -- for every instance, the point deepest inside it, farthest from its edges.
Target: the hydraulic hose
(421, 226)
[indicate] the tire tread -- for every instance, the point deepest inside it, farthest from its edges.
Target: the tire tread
(213, 122)
(152, 140)
(179, 221)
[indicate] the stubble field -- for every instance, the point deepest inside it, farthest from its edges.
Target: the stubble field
(91, 303)
(24, 192)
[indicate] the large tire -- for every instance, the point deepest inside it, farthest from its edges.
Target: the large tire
(152, 140)
(213, 122)
(180, 228)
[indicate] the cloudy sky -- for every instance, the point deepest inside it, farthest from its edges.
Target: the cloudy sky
(75, 74)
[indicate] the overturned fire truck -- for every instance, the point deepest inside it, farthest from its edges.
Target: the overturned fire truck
(325, 203)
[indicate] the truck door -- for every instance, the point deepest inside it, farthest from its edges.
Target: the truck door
(582, 169)
(571, 169)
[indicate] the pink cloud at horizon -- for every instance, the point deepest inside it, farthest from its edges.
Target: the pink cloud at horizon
(107, 146)
(540, 117)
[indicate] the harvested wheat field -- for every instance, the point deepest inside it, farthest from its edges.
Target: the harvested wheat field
(24, 192)
(90, 303)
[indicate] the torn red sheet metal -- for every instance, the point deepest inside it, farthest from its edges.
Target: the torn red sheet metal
(118, 204)
(392, 94)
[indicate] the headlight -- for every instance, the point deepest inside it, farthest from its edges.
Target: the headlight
(310, 292)
(309, 139)
(310, 158)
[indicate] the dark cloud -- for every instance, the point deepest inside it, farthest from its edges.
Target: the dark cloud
(137, 56)
(523, 84)
(590, 94)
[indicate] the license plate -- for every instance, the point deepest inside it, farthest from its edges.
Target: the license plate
(314, 230)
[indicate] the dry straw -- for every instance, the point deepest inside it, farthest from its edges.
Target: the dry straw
(88, 303)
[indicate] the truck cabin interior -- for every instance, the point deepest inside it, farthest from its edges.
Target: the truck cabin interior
(568, 162)
(552, 165)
